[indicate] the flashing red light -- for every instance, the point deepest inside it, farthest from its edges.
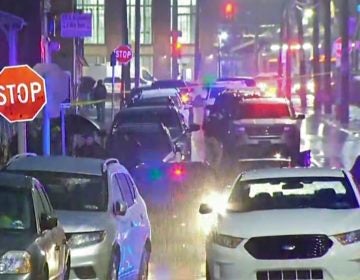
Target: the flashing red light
(185, 98)
(178, 171)
(229, 10)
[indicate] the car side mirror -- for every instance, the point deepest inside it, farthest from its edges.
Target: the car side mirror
(120, 208)
(300, 117)
(205, 209)
(48, 222)
(194, 127)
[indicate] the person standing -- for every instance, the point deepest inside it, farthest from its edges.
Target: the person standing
(100, 94)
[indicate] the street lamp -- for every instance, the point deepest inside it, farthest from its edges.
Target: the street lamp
(222, 37)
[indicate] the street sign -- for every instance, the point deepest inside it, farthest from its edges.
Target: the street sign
(76, 25)
(22, 93)
(123, 54)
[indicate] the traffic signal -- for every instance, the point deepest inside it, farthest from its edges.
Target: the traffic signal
(229, 10)
(177, 49)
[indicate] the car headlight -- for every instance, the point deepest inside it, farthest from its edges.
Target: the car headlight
(86, 239)
(348, 237)
(15, 262)
(226, 240)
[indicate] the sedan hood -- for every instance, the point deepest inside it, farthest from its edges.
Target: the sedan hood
(265, 122)
(15, 240)
(81, 221)
(289, 222)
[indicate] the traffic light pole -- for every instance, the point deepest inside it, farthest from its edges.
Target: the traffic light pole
(197, 41)
(175, 36)
(345, 63)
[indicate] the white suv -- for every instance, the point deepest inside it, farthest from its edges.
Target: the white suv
(104, 217)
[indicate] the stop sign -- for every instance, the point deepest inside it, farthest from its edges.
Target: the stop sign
(22, 93)
(123, 54)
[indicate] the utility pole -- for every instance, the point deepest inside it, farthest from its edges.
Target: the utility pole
(280, 56)
(137, 42)
(316, 57)
(197, 41)
(125, 73)
(345, 62)
(175, 36)
(328, 53)
(302, 63)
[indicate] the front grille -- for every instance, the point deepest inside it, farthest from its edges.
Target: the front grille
(309, 274)
(288, 247)
(265, 130)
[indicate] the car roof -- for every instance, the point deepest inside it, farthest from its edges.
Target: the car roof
(271, 173)
(169, 83)
(17, 181)
(164, 92)
(155, 108)
(60, 164)
(141, 127)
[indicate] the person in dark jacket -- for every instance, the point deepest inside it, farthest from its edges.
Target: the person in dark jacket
(100, 94)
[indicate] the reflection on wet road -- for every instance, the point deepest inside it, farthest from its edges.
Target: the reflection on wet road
(179, 243)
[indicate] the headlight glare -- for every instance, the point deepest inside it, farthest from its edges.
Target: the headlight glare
(348, 237)
(226, 240)
(86, 239)
(15, 262)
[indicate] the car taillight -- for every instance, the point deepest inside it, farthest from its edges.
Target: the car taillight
(177, 171)
(185, 98)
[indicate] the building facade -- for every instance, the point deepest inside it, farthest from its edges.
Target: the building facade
(155, 35)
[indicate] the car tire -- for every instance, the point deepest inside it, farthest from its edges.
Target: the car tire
(113, 273)
(144, 265)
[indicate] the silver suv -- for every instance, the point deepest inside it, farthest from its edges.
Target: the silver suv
(104, 217)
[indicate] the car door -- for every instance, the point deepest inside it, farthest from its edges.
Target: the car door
(123, 226)
(57, 234)
(45, 240)
(133, 220)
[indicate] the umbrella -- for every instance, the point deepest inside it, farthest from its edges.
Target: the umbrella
(77, 124)
(86, 84)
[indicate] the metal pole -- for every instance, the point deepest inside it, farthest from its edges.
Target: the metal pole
(197, 42)
(137, 42)
(327, 51)
(288, 57)
(175, 35)
(345, 63)
(46, 59)
(219, 58)
(13, 60)
(316, 57)
(63, 130)
(281, 49)
(302, 63)
(112, 91)
(125, 70)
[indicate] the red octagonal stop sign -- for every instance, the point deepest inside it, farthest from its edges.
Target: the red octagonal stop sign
(22, 93)
(123, 54)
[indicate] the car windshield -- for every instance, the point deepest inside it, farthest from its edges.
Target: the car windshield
(263, 111)
(292, 193)
(167, 117)
(16, 209)
(74, 192)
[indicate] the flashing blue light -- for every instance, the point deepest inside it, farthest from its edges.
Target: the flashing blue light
(358, 8)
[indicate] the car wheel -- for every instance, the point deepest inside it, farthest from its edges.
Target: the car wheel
(114, 267)
(144, 265)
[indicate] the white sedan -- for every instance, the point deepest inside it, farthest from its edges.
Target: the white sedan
(286, 224)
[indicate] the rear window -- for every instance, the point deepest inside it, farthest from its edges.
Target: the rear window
(262, 111)
(168, 118)
(73, 192)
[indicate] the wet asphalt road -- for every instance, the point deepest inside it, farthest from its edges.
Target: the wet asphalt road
(178, 243)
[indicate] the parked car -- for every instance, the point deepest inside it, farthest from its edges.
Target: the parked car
(161, 97)
(169, 116)
(182, 86)
(104, 216)
(32, 243)
(283, 223)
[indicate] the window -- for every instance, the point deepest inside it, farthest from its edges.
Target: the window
(97, 9)
(186, 20)
(125, 189)
(146, 21)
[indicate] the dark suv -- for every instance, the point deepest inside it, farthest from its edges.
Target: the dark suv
(259, 126)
